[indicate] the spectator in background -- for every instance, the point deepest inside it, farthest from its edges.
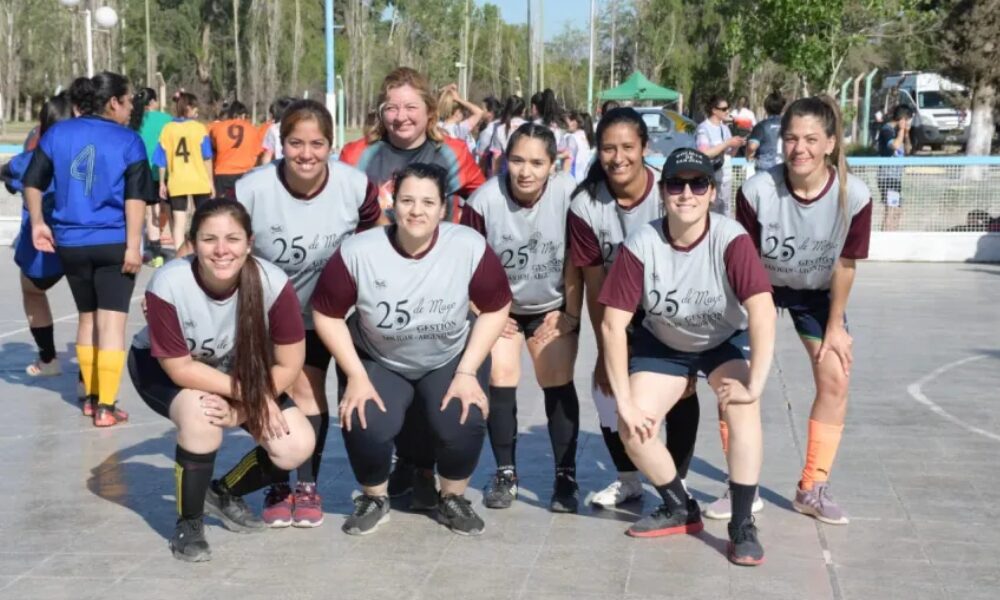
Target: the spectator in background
(237, 145)
(490, 119)
(743, 118)
(714, 139)
(272, 138)
(764, 144)
(459, 116)
(893, 142)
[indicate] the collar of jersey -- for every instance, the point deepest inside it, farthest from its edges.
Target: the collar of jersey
(832, 176)
(694, 244)
(510, 192)
(390, 231)
(284, 182)
(650, 182)
(204, 288)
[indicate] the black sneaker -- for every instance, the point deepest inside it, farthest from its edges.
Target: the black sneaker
(425, 494)
(455, 512)
(401, 478)
(502, 490)
(664, 522)
(565, 494)
(744, 547)
(369, 513)
(188, 543)
(231, 510)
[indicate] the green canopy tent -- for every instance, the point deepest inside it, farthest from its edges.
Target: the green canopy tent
(637, 87)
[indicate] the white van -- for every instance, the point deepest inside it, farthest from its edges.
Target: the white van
(937, 120)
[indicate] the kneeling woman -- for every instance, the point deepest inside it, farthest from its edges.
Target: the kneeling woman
(225, 339)
(411, 340)
(702, 286)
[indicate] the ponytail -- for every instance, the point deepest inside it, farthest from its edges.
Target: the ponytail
(81, 94)
(824, 108)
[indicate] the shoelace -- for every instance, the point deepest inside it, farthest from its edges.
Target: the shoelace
(364, 505)
(824, 496)
(746, 531)
(277, 494)
(306, 495)
(458, 504)
(506, 478)
(191, 527)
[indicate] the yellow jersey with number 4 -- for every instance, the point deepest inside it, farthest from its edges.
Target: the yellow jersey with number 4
(183, 149)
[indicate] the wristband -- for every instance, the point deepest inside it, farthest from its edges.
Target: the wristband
(469, 373)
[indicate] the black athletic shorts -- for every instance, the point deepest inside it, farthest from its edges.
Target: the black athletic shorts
(529, 324)
(180, 203)
(225, 185)
(317, 356)
(95, 277)
(44, 283)
(156, 388)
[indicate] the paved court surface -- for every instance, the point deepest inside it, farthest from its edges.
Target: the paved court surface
(86, 512)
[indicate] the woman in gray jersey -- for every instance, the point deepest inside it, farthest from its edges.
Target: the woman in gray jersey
(811, 222)
(705, 298)
(511, 117)
(410, 342)
(303, 206)
(522, 215)
(618, 196)
(223, 344)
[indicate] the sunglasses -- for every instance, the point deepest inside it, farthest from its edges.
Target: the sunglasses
(722, 107)
(675, 185)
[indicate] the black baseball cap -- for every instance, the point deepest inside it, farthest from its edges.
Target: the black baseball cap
(687, 159)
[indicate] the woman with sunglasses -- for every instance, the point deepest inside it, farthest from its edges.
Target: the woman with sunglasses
(707, 308)
(714, 139)
(617, 197)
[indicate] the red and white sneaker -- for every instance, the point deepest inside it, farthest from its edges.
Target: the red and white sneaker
(278, 505)
(107, 416)
(307, 510)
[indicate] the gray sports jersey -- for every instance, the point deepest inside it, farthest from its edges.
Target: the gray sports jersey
(800, 242)
(767, 136)
(690, 305)
(412, 314)
(531, 242)
(209, 325)
(502, 133)
(611, 223)
(300, 235)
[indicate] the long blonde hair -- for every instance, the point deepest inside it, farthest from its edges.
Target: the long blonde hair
(398, 78)
(824, 108)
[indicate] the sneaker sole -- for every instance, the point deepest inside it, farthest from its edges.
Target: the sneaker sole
(230, 524)
(743, 561)
(306, 523)
(758, 505)
(443, 521)
(690, 528)
(278, 524)
(612, 504)
(201, 557)
(811, 512)
(377, 524)
(498, 505)
(558, 507)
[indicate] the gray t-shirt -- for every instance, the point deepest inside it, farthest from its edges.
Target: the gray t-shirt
(767, 136)
(530, 241)
(300, 234)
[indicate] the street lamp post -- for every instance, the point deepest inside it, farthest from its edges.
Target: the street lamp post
(104, 16)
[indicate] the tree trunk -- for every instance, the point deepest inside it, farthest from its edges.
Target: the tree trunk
(984, 99)
(236, 49)
(296, 47)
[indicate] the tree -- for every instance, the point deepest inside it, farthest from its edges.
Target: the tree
(972, 44)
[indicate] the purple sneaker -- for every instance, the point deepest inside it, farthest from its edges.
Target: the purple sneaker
(818, 503)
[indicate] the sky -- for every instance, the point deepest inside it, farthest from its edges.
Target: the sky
(556, 12)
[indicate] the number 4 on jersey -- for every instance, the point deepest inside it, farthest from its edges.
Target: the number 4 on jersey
(82, 167)
(182, 150)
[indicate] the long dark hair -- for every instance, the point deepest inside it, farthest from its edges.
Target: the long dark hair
(825, 109)
(586, 124)
(306, 110)
(548, 109)
(57, 108)
(512, 107)
(616, 116)
(253, 386)
(535, 131)
(140, 100)
(91, 96)
(182, 102)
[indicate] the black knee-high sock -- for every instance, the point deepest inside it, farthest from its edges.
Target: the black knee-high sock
(673, 494)
(309, 470)
(502, 425)
(616, 448)
(742, 498)
(682, 431)
(254, 471)
(193, 474)
(154, 248)
(45, 341)
(563, 411)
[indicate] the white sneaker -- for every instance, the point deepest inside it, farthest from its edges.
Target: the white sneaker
(722, 508)
(621, 490)
(44, 369)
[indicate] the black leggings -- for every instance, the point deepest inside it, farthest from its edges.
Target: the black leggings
(95, 277)
(456, 447)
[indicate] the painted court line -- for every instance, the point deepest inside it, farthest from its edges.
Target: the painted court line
(54, 321)
(915, 390)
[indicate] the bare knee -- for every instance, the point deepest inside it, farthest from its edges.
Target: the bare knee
(290, 451)
(194, 431)
(832, 386)
(504, 374)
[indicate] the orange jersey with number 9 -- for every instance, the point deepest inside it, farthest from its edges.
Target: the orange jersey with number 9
(237, 145)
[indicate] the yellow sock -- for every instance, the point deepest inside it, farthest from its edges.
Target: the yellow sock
(86, 355)
(110, 364)
(821, 450)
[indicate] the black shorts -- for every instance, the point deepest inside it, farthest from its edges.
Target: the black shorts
(529, 324)
(317, 356)
(156, 388)
(649, 354)
(810, 310)
(44, 283)
(180, 203)
(225, 185)
(95, 277)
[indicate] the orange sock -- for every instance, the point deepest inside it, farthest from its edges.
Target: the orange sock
(87, 356)
(724, 433)
(110, 364)
(821, 450)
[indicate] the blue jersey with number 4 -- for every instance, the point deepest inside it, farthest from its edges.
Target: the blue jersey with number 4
(94, 165)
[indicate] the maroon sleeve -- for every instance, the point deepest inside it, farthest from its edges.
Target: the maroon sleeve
(623, 287)
(584, 248)
(744, 270)
(370, 211)
(489, 289)
(472, 218)
(859, 234)
(285, 317)
(747, 217)
(336, 291)
(165, 334)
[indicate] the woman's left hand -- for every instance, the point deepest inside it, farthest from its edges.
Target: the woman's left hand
(556, 324)
(466, 389)
(132, 262)
(732, 391)
(837, 340)
(219, 411)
